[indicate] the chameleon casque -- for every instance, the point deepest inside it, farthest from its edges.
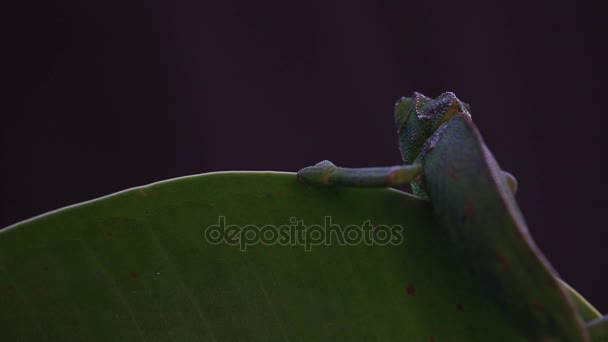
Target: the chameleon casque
(447, 162)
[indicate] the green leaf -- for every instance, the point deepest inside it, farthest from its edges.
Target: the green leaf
(598, 329)
(136, 266)
(587, 312)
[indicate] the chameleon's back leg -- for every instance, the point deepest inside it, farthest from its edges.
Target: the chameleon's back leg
(326, 173)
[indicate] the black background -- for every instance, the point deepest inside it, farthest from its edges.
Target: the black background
(114, 94)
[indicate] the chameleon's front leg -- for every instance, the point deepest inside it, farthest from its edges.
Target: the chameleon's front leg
(326, 173)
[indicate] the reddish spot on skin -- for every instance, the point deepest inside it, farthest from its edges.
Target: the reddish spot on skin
(133, 275)
(279, 193)
(505, 265)
(469, 210)
(109, 234)
(242, 215)
(538, 306)
(453, 172)
(411, 289)
(432, 339)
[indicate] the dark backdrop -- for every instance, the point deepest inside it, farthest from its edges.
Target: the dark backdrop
(108, 95)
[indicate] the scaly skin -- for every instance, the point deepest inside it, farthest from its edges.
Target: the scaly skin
(447, 161)
(472, 201)
(417, 119)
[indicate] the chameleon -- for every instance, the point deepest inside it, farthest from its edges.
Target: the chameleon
(447, 162)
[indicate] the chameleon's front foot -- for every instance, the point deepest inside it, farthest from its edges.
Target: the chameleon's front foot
(326, 173)
(318, 173)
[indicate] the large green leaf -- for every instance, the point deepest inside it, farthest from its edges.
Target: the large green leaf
(136, 265)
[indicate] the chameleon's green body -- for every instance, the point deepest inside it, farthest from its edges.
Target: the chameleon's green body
(418, 118)
(472, 200)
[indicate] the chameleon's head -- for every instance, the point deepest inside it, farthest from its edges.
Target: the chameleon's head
(418, 117)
